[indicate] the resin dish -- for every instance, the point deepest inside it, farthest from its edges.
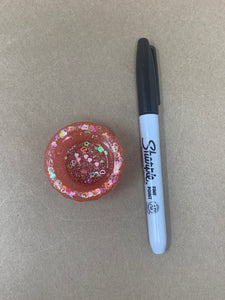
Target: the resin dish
(84, 161)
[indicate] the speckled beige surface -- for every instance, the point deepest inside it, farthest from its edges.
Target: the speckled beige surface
(71, 60)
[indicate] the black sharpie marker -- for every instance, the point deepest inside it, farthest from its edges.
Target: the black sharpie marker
(148, 99)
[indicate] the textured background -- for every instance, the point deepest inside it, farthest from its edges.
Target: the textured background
(74, 60)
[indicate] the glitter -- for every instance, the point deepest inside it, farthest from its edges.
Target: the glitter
(58, 184)
(87, 131)
(89, 180)
(65, 157)
(63, 189)
(73, 162)
(107, 185)
(100, 149)
(84, 149)
(106, 152)
(84, 127)
(102, 161)
(63, 133)
(50, 170)
(72, 194)
(92, 128)
(71, 128)
(89, 162)
(50, 162)
(105, 134)
(54, 144)
(117, 166)
(97, 192)
(114, 179)
(115, 147)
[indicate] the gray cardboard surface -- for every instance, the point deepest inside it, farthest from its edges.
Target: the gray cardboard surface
(67, 61)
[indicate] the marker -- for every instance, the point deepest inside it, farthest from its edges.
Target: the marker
(149, 100)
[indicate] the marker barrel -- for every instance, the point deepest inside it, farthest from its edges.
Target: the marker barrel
(150, 144)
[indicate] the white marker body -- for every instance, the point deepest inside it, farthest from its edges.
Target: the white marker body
(150, 144)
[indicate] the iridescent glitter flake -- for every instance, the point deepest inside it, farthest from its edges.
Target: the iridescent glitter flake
(63, 133)
(100, 149)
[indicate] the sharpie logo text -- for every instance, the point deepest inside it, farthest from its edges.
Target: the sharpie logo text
(148, 151)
